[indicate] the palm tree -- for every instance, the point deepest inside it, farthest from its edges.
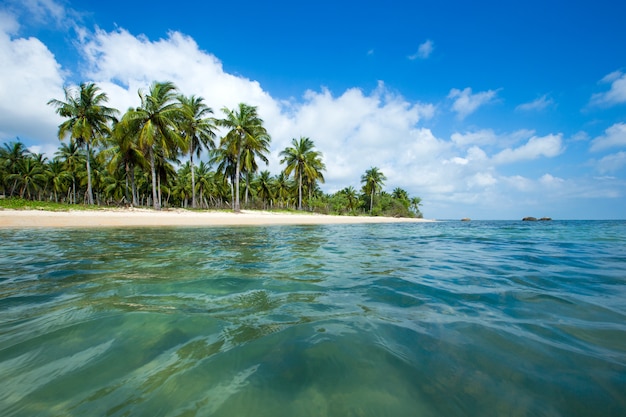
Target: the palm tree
(416, 202)
(124, 151)
(401, 196)
(87, 121)
(225, 161)
(30, 175)
(282, 187)
(155, 123)
(351, 196)
(303, 161)
(71, 158)
(245, 132)
(12, 154)
(263, 185)
(372, 180)
(198, 131)
(58, 177)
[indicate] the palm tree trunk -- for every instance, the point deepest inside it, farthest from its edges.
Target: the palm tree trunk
(133, 187)
(193, 179)
(89, 191)
(372, 201)
(236, 206)
(300, 190)
(157, 205)
(127, 168)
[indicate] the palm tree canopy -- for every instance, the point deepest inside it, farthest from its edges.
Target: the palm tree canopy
(373, 180)
(155, 120)
(197, 124)
(87, 117)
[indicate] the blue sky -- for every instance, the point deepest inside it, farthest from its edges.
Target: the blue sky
(487, 109)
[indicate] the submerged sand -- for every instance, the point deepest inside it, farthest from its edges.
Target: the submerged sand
(152, 218)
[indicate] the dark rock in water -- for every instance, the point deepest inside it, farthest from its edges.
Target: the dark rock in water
(545, 219)
(529, 219)
(466, 219)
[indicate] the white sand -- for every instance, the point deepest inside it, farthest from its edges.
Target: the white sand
(144, 217)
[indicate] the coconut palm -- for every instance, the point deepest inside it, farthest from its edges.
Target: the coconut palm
(124, 151)
(58, 177)
(70, 156)
(155, 123)
(198, 131)
(263, 185)
(351, 196)
(245, 132)
(30, 176)
(372, 180)
(11, 156)
(415, 204)
(304, 162)
(88, 120)
(282, 188)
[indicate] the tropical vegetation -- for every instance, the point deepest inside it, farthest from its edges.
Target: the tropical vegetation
(166, 153)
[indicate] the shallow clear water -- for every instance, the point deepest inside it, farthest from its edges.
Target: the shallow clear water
(443, 319)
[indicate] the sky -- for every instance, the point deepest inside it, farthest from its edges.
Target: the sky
(483, 109)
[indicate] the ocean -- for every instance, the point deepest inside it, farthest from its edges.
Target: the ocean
(427, 319)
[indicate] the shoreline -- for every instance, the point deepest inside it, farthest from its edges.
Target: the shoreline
(178, 217)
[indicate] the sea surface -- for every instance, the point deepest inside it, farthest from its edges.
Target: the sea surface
(429, 319)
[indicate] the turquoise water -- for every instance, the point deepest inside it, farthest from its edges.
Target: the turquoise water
(442, 319)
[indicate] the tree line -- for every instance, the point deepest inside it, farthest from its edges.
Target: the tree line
(151, 156)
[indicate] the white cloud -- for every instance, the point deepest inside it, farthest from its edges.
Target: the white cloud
(29, 77)
(547, 146)
(612, 163)
(539, 104)
(466, 103)
(122, 64)
(614, 136)
(480, 137)
(617, 92)
(551, 181)
(423, 51)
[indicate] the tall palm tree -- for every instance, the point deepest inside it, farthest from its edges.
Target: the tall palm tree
(155, 123)
(303, 161)
(245, 131)
(225, 161)
(198, 131)
(372, 180)
(88, 120)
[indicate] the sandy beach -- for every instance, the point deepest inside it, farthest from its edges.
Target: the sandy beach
(151, 218)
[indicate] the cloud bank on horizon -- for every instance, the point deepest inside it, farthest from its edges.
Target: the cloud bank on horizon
(444, 149)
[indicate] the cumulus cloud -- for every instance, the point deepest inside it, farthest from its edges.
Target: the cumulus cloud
(538, 104)
(614, 136)
(480, 137)
(612, 163)
(547, 146)
(29, 77)
(466, 103)
(551, 181)
(423, 51)
(616, 93)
